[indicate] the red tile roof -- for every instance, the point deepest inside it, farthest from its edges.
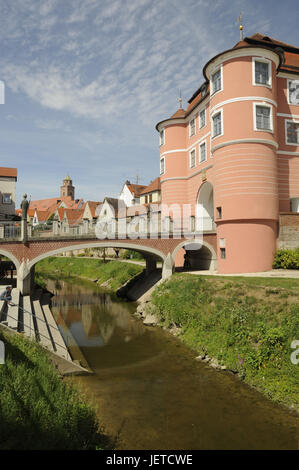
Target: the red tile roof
(291, 60)
(135, 188)
(93, 205)
(290, 56)
(179, 113)
(74, 216)
(60, 213)
(268, 40)
(53, 203)
(153, 186)
(42, 216)
(139, 209)
(8, 172)
(30, 212)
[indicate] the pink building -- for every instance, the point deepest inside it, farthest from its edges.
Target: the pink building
(234, 152)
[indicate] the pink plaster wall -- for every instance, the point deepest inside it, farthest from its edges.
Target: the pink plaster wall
(252, 183)
(250, 246)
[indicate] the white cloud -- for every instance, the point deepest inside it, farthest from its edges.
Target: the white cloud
(109, 70)
(51, 124)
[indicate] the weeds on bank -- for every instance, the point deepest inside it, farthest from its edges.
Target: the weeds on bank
(37, 409)
(247, 328)
(114, 273)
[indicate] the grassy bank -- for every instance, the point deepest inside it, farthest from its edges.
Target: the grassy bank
(37, 409)
(112, 273)
(248, 324)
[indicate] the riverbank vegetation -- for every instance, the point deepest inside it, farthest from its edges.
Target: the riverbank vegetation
(37, 409)
(247, 324)
(286, 259)
(113, 274)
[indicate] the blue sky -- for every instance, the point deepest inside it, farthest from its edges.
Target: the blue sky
(86, 81)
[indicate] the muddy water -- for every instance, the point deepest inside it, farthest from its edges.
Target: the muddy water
(151, 391)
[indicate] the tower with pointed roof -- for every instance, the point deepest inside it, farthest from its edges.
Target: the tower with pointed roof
(67, 188)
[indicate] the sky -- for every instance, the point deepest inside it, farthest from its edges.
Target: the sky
(86, 81)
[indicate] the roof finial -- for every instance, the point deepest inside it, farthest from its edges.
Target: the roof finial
(239, 20)
(180, 99)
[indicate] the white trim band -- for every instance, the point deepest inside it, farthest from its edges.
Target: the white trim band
(245, 141)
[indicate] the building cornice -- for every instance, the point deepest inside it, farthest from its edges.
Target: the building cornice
(287, 73)
(244, 141)
(245, 51)
(168, 122)
(175, 178)
(243, 98)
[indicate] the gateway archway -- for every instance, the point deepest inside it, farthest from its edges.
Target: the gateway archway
(202, 258)
(205, 207)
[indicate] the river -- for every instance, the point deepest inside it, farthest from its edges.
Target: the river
(150, 390)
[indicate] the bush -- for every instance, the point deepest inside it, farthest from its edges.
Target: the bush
(286, 259)
(130, 254)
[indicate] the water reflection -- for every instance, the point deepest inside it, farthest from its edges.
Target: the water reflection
(96, 319)
(148, 384)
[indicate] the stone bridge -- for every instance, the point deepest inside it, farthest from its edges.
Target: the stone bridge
(25, 254)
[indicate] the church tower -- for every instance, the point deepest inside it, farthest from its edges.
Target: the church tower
(67, 189)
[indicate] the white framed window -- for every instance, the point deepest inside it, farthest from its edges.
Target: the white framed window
(162, 137)
(292, 132)
(162, 166)
(202, 118)
(6, 198)
(192, 127)
(261, 72)
(192, 158)
(293, 92)
(202, 152)
(217, 124)
(216, 80)
(263, 120)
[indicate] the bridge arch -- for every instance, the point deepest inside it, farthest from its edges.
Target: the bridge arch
(147, 251)
(10, 256)
(206, 251)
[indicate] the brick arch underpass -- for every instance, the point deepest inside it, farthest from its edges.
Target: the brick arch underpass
(26, 255)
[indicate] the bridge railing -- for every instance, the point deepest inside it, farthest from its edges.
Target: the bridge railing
(10, 232)
(131, 229)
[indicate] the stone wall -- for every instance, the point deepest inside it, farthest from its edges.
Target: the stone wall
(288, 230)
